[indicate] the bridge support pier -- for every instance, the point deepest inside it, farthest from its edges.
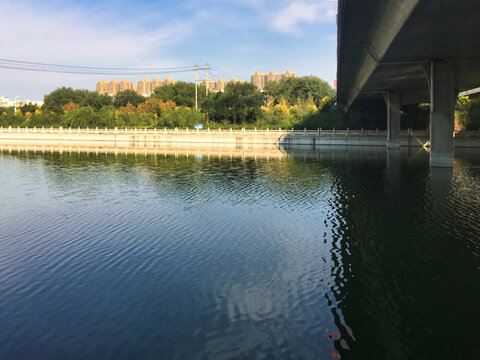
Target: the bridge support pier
(442, 114)
(393, 120)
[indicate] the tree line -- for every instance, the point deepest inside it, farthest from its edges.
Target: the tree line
(306, 102)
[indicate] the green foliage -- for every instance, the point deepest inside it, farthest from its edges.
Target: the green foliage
(294, 102)
(43, 119)
(474, 118)
(107, 117)
(181, 93)
(241, 102)
(329, 119)
(128, 96)
(241, 89)
(62, 96)
(6, 110)
(181, 117)
(28, 108)
(295, 90)
(82, 117)
(8, 118)
(467, 113)
(96, 100)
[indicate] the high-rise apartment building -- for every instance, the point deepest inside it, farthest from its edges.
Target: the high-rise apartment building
(288, 74)
(235, 81)
(144, 87)
(220, 85)
(260, 80)
(126, 85)
(113, 87)
(102, 87)
(169, 81)
(156, 83)
(274, 76)
(208, 83)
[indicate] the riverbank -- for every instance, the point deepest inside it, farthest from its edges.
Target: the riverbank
(121, 138)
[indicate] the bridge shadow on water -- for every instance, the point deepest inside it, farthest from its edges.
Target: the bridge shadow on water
(406, 242)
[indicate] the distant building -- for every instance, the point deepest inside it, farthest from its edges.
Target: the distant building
(144, 87)
(156, 83)
(113, 87)
(169, 81)
(5, 101)
(260, 80)
(273, 76)
(220, 85)
(289, 74)
(102, 87)
(208, 83)
(236, 81)
(125, 85)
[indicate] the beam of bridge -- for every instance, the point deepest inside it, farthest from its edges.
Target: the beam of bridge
(410, 51)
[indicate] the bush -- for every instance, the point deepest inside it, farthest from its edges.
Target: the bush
(181, 117)
(467, 113)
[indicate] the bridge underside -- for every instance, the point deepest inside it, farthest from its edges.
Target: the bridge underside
(410, 51)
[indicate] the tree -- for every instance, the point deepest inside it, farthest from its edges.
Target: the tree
(181, 117)
(69, 107)
(155, 106)
(81, 117)
(31, 108)
(106, 117)
(241, 89)
(181, 93)
(62, 96)
(128, 96)
(96, 100)
(241, 102)
(208, 107)
(127, 109)
(295, 90)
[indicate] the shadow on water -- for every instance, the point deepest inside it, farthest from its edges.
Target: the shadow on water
(407, 244)
(352, 253)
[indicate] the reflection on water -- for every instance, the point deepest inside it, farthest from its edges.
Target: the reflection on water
(238, 253)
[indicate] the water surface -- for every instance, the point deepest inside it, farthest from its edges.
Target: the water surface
(306, 255)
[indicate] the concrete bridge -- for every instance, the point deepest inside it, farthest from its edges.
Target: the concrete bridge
(410, 51)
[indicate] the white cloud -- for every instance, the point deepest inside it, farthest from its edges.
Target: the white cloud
(80, 37)
(289, 19)
(76, 36)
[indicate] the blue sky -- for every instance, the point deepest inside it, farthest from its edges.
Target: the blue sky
(237, 36)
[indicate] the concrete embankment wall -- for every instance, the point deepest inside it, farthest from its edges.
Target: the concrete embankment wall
(232, 138)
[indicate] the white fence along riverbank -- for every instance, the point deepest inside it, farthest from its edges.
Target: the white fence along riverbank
(242, 137)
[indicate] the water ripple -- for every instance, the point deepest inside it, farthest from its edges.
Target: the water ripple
(316, 255)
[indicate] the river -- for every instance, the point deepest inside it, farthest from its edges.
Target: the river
(353, 253)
